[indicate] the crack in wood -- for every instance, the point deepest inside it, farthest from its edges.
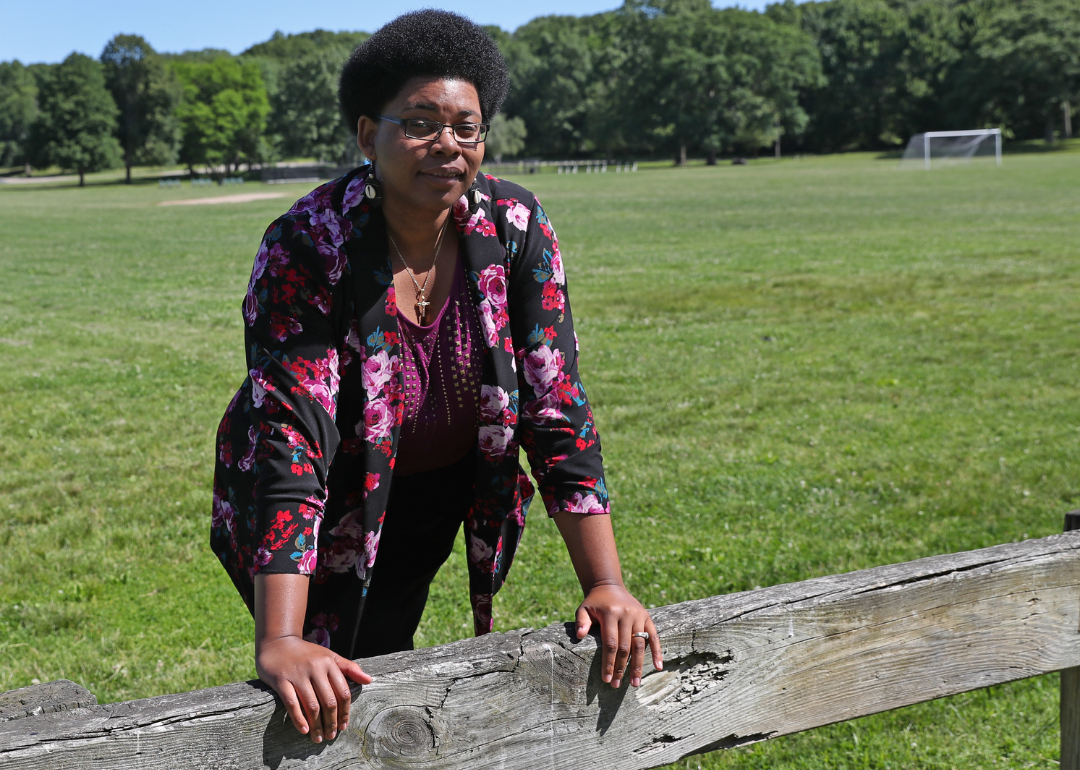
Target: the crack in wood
(683, 681)
(740, 668)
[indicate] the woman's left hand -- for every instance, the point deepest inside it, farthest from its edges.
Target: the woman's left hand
(620, 616)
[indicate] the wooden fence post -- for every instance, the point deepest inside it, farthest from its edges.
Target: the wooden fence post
(1070, 693)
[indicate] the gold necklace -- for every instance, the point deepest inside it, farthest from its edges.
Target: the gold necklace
(421, 297)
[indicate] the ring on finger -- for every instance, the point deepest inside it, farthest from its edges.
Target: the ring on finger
(641, 635)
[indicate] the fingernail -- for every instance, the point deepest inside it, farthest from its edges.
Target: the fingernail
(636, 681)
(616, 683)
(332, 735)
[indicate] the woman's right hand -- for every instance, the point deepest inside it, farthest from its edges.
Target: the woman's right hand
(310, 679)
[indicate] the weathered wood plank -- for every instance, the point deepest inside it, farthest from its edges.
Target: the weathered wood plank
(740, 668)
(1070, 692)
(44, 699)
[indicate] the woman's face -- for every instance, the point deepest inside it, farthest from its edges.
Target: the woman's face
(422, 174)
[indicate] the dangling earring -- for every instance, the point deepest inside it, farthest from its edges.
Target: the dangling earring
(475, 196)
(373, 189)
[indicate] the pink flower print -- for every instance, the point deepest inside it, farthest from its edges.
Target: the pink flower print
(495, 439)
(553, 298)
(350, 526)
(328, 225)
(341, 558)
(518, 215)
(487, 323)
(308, 562)
(323, 301)
(352, 339)
(222, 514)
(460, 210)
(282, 326)
(318, 636)
(579, 503)
(249, 456)
(378, 420)
(371, 483)
(493, 400)
(259, 387)
(377, 371)
(545, 410)
(251, 305)
(354, 193)
(479, 551)
(492, 285)
(371, 548)
(467, 222)
(321, 393)
(263, 556)
(557, 273)
(543, 369)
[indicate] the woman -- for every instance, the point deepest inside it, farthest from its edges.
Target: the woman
(407, 329)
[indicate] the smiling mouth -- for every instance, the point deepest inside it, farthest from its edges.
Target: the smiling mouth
(444, 174)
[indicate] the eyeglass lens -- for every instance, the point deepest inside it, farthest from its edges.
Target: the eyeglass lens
(417, 128)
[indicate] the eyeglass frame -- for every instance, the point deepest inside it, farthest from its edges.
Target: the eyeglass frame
(485, 127)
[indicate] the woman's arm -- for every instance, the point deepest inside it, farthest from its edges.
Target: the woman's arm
(591, 543)
(292, 342)
(309, 678)
(557, 432)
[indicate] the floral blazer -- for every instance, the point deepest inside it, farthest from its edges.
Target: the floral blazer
(305, 450)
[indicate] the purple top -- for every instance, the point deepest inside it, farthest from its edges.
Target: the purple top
(443, 363)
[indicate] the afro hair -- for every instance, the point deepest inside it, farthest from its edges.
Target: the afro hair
(427, 43)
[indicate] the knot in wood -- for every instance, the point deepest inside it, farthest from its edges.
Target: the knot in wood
(400, 732)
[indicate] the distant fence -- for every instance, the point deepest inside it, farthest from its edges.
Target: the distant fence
(738, 669)
(312, 174)
(561, 166)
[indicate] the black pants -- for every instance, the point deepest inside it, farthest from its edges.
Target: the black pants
(423, 516)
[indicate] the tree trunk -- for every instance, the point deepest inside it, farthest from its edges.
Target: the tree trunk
(1066, 108)
(1048, 132)
(778, 147)
(27, 171)
(680, 159)
(82, 178)
(710, 158)
(127, 180)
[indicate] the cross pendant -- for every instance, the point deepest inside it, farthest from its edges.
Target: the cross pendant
(421, 308)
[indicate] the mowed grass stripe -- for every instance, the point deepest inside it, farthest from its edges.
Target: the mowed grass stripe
(798, 368)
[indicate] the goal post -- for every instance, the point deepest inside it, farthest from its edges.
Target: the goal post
(951, 145)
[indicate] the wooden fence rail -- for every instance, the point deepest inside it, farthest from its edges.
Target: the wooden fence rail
(738, 668)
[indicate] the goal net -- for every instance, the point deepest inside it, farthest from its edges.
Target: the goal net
(951, 146)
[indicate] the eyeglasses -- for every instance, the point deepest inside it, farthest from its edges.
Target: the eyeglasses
(430, 130)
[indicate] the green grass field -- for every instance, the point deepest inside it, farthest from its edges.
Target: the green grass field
(798, 368)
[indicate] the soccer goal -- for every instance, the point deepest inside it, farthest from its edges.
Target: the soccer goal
(952, 146)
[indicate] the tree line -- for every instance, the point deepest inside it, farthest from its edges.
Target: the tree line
(654, 78)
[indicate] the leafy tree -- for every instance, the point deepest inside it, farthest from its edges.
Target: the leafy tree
(18, 108)
(712, 80)
(554, 88)
(289, 48)
(222, 114)
(860, 42)
(147, 93)
(506, 137)
(305, 116)
(281, 51)
(77, 120)
(201, 55)
(1024, 67)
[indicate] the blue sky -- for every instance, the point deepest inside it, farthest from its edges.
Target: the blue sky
(48, 30)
